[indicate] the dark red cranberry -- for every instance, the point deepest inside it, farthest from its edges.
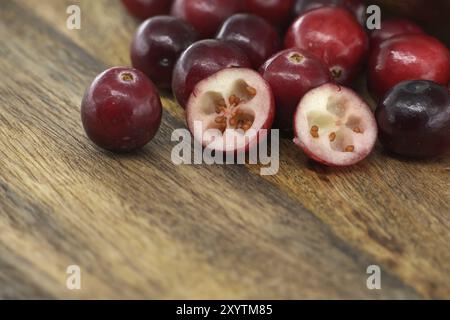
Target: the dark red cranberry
(292, 73)
(144, 9)
(121, 110)
(414, 119)
(357, 7)
(333, 35)
(407, 57)
(277, 12)
(157, 45)
(255, 36)
(200, 61)
(391, 28)
(206, 15)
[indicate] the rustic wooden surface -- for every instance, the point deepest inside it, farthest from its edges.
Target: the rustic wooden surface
(141, 227)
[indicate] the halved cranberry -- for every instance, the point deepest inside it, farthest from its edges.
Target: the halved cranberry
(334, 126)
(391, 28)
(291, 73)
(407, 57)
(144, 9)
(206, 15)
(255, 36)
(277, 12)
(201, 60)
(121, 110)
(334, 36)
(228, 111)
(157, 45)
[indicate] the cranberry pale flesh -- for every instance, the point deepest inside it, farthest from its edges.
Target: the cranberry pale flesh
(121, 110)
(144, 9)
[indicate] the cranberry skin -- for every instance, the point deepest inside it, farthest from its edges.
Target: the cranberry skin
(334, 36)
(144, 9)
(276, 12)
(407, 57)
(391, 28)
(414, 119)
(121, 110)
(292, 73)
(256, 37)
(157, 45)
(357, 7)
(206, 15)
(200, 61)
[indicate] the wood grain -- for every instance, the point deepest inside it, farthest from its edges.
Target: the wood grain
(141, 227)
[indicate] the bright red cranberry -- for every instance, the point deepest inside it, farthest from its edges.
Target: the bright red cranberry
(357, 7)
(256, 37)
(334, 126)
(334, 36)
(201, 60)
(414, 119)
(231, 110)
(206, 15)
(277, 12)
(391, 28)
(144, 9)
(407, 57)
(121, 110)
(157, 45)
(291, 73)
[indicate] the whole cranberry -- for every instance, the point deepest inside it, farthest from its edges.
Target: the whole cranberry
(292, 73)
(157, 45)
(206, 15)
(407, 57)
(333, 35)
(121, 110)
(277, 12)
(144, 9)
(255, 36)
(391, 28)
(200, 61)
(414, 119)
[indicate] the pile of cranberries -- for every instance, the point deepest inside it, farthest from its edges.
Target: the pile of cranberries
(239, 69)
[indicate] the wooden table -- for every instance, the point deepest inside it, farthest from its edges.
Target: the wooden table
(141, 227)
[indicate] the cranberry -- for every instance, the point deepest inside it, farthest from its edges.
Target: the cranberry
(414, 119)
(144, 9)
(231, 110)
(206, 15)
(157, 45)
(277, 12)
(256, 37)
(201, 60)
(334, 36)
(121, 110)
(407, 57)
(334, 126)
(391, 28)
(291, 73)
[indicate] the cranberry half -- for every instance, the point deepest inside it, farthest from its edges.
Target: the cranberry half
(414, 119)
(144, 9)
(391, 28)
(201, 60)
(277, 12)
(121, 110)
(255, 36)
(157, 45)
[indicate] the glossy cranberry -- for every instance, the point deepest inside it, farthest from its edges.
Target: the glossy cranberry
(391, 28)
(206, 15)
(333, 35)
(357, 7)
(255, 36)
(407, 57)
(121, 110)
(201, 60)
(144, 9)
(157, 45)
(414, 119)
(292, 73)
(277, 12)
